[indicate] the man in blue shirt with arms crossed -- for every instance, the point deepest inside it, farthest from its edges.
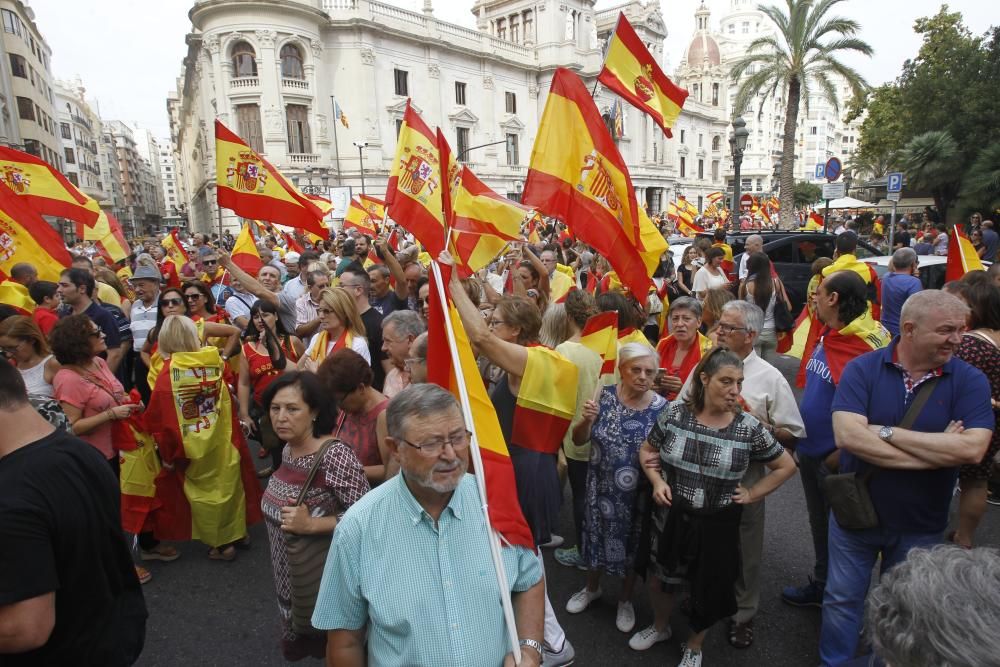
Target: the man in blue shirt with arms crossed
(410, 564)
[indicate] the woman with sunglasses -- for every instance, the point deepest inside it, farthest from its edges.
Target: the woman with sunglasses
(268, 352)
(23, 344)
(340, 328)
(201, 303)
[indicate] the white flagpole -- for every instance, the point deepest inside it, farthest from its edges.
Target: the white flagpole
(477, 460)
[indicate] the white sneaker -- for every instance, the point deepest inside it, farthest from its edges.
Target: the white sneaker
(582, 599)
(625, 619)
(554, 541)
(564, 657)
(690, 658)
(648, 637)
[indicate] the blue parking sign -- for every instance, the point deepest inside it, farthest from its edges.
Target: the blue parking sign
(821, 171)
(895, 183)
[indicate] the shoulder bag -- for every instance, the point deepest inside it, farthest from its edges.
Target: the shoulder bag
(848, 493)
(306, 556)
(783, 320)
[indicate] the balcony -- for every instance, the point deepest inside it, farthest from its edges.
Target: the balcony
(80, 120)
(295, 84)
(244, 84)
(303, 158)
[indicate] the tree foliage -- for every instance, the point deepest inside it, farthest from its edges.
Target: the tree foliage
(807, 194)
(981, 187)
(933, 162)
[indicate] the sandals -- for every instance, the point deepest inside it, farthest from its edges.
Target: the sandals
(144, 575)
(741, 634)
(227, 553)
(161, 552)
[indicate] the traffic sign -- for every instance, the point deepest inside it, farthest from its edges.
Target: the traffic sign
(895, 182)
(746, 202)
(820, 170)
(893, 196)
(833, 169)
(834, 190)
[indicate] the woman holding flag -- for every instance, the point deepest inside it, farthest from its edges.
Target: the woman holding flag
(341, 328)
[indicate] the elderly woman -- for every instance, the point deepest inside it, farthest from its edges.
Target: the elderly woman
(680, 350)
(340, 328)
(22, 342)
(616, 426)
(703, 447)
(361, 423)
(711, 275)
(303, 416)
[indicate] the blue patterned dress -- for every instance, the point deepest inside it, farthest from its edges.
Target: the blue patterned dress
(610, 528)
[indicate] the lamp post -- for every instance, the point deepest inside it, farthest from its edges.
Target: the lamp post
(362, 145)
(737, 145)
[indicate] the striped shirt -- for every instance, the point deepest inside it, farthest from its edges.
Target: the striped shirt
(143, 319)
(427, 593)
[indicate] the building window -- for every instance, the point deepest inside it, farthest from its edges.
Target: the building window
(297, 117)
(715, 170)
(248, 126)
(715, 94)
(459, 93)
(70, 157)
(64, 129)
(71, 177)
(511, 100)
(462, 143)
(11, 22)
(513, 158)
(812, 130)
(716, 143)
(399, 126)
(700, 139)
(746, 27)
(683, 166)
(514, 196)
(514, 34)
(244, 60)
(402, 85)
(732, 28)
(501, 29)
(25, 109)
(18, 66)
(701, 169)
(682, 136)
(701, 202)
(291, 62)
(32, 147)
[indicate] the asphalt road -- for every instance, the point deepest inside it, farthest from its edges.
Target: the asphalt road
(208, 613)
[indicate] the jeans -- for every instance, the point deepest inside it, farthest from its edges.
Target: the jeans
(577, 473)
(812, 472)
(852, 557)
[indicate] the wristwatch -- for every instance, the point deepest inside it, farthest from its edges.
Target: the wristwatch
(531, 643)
(885, 433)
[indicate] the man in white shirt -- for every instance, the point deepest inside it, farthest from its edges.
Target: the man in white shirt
(754, 243)
(307, 305)
(240, 301)
(142, 318)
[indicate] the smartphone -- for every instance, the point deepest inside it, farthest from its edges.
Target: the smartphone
(660, 374)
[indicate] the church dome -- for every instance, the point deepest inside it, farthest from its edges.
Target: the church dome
(703, 47)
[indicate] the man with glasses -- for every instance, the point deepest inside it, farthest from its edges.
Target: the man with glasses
(399, 330)
(355, 280)
(307, 305)
(213, 273)
(142, 318)
(76, 289)
(421, 536)
(416, 362)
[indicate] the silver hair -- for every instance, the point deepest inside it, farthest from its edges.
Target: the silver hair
(939, 608)
(686, 303)
(406, 322)
(555, 325)
(754, 238)
(753, 316)
(380, 269)
(904, 258)
(931, 303)
(631, 351)
(417, 400)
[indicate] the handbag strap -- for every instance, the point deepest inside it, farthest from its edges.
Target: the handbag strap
(923, 395)
(312, 471)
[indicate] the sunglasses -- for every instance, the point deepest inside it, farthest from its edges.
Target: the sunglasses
(193, 297)
(172, 302)
(96, 334)
(210, 262)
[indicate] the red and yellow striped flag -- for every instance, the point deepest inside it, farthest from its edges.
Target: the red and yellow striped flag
(176, 254)
(413, 195)
(578, 176)
(26, 237)
(43, 188)
(962, 256)
(501, 490)
(814, 223)
(546, 400)
(245, 253)
(483, 223)
(631, 71)
(251, 187)
(107, 235)
(600, 334)
(365, 214)
(17, 297)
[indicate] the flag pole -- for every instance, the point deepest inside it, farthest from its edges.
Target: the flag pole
(336, 146)
(477, 460)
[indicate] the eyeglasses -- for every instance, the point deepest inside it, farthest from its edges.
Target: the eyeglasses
(413, 361)
(458, 440)
(172, 302)
(96, 334)
(725, 328)
(193, 297)
(9, 351)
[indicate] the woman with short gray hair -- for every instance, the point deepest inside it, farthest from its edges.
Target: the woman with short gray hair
(680, 350)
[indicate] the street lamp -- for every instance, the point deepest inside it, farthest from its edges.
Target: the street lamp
(362, 145)
(737, 144)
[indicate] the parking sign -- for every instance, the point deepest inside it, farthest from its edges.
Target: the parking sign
(820, 171)
(895, 183)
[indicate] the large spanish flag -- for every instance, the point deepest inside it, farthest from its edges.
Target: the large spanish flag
(600, 334)
(245, 253)
(107, 235)
(413, 195)
(44, 189)
(365, 214)
(252, 188)
(962, 256)
(212, 494)
(861, 335)
(501, 490)
(26, 237)
(631, 71)
(483, 223)
(578, 176)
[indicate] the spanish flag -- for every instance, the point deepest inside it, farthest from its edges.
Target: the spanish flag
(715, 197)
(17, 297)
(139, 466)
(26, 237)
(962, 256)
(44, 189)
(413, 194)
(501, 489)
(252, 188)
(861, 335)
(245, 253)
(546, 401)
(292, 243)
(600, 334)
(578, 176)
(106, 234)
(365, 214)
(212, 493)
(176, 254)
(814, 223)
(482, 224)
(631, 71)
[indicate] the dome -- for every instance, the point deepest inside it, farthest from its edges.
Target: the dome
(703, 47)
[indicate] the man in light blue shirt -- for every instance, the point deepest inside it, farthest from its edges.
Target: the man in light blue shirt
(410, 567)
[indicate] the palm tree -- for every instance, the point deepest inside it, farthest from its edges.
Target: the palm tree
(867, 168)
(933, 162)
(981, 186)
(801, 54)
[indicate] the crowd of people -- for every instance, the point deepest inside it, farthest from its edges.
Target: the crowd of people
(138, 394)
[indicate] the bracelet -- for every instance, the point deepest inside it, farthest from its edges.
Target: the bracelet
(532, 644)
(111, 414)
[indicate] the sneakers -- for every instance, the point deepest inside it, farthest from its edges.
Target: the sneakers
(810, 595)
(690, 658)
(554, 541)
(570, 558)
(625, 619)
(648, 637)
(561, 658)
(582, 599)
(993, 494)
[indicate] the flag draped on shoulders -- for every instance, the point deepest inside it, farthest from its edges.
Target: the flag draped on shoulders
(578, 176)
(546, 400)
(26, 237)
(251, 187)
(245, 254)
(212, 494)
(504, 509)
(962, 256)
(860, 336)
(365, 214)
(631, 71)
(17, 297)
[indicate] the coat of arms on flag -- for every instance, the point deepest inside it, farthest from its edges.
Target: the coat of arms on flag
(246, 173)
(16, 179)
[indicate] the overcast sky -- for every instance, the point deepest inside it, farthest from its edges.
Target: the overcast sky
(128, 53)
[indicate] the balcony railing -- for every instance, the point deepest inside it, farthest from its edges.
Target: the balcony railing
(297, 84)
(303, 158)
(244, 82)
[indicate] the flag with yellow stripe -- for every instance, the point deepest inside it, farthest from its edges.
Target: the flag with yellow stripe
(962, 256)
(365, 214)
(43, 188)
(26, 237)
(600, 334)
(546, 400)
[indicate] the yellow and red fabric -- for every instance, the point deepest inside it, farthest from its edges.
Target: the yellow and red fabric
(600, 334)
(862, 335)
(139, 467)
(666, 350)
(319, 351)
(365, 214)
(175, 253)
(632, 335)
(578, 176)
(251, 187)
(245, 254)
(546, 400)
(867, 272)
(43, 188)
(504, 509)
(292, 243)
(482, 224)
(17, 297)
(962, 256)
(814, 223)
(632, 72)
(26, 237)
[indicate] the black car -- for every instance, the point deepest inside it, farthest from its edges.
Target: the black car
(793, 253)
